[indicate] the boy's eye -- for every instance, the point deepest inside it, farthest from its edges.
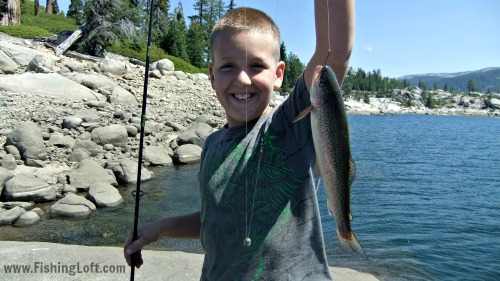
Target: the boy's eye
(257, 65)
(226, 67)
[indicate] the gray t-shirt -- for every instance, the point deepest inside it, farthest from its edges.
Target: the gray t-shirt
(258, 181)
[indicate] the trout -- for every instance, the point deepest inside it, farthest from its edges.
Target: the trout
(330, 134)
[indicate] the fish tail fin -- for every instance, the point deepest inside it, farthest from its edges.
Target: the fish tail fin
(350, 244)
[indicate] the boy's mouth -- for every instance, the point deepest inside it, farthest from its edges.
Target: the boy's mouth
(242, 96)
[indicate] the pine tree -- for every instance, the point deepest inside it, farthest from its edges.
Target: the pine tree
(174, 42)
(293, 70)
(75, 11)
(472, 86)
(55, 7)
(160, 21)
(283, 57)
(195, 46)
(231, 5)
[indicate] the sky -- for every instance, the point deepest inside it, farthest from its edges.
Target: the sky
(399, 37)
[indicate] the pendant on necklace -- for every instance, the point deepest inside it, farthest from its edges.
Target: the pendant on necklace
(247, 242)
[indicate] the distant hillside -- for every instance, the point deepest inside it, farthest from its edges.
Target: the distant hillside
(487, 78)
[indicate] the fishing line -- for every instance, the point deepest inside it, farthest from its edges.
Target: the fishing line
(328, 30)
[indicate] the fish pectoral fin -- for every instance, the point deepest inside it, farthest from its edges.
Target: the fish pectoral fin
(303, 113)
(350, 216)
(350, 244)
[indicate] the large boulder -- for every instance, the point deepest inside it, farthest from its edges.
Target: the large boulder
(157, 155)
(195, 134)
(27, 219)
(26, 187)
(104, 195)
(7, 65)
(125, 171)
(187, 154)
(28, 139)
(10, 216)
(47, 84)
(87, 145)
(88, 172)
(72, 206)
(113, 134)
(113, 66)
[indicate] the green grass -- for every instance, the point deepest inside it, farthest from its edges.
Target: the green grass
(28, 32)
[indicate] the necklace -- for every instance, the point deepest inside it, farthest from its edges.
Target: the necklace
(247, 241)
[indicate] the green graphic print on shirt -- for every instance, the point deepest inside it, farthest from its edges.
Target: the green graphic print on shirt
(255, 198)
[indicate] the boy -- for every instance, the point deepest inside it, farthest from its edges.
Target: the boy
(259, 217)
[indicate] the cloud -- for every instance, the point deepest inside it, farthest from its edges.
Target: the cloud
(369, 49)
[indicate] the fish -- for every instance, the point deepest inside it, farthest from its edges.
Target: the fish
(330, 133)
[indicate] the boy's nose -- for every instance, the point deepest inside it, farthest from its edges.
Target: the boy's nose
(243, 78)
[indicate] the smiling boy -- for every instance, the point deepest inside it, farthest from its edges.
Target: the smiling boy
(259, 217)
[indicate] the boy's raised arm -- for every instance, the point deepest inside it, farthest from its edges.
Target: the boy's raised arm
(340, 17)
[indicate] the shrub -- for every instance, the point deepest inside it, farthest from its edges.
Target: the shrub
(132, 50)
(27, 32)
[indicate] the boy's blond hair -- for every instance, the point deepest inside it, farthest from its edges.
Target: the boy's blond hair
(247, 19)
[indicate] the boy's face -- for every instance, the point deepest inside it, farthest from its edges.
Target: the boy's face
(244, 74)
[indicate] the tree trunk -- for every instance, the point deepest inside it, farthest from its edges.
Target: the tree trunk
(12, 14)
(48, 7)
(37, 7)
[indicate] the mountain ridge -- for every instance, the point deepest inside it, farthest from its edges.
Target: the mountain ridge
(486, 78)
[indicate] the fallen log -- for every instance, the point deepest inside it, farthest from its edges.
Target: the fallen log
(61, 48)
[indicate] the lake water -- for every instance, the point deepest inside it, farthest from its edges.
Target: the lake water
(425, 202)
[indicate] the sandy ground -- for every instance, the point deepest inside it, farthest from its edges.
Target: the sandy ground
(49, 261)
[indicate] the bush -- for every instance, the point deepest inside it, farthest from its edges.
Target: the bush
(27, 32)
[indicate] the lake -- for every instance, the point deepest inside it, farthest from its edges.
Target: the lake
(425, 202)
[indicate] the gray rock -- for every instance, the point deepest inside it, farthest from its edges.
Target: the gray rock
(88, 172)
(10, 216)
(41, 213)
(187, 154)
(74, 66)
(155, 74)
(164, 64)
(105, 86)
(20, 54)
(206, 119)
(11, 149)
(195, 134)
(176, 126)
(26, 187)
(60, 140)
(87, 145)
(28, 139)
(157, 155)
(25, 205)
(113, 66)
(180, 75)
(9, 163)
(88, 115)
(125, 171)
(78, 155)
(73, 206)
(49, 85)
(114, 134)
(41, 64)
(71, 122)
(5, 175)
(104, 195)
(27, 219)
(132, 130)
(7, 65)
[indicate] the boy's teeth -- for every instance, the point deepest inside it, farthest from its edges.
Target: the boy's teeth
(242, 97)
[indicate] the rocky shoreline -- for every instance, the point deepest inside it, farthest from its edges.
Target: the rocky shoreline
(69, 127)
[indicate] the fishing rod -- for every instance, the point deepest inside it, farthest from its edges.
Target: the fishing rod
(138, 193)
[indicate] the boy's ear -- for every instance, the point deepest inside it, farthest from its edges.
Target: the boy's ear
(280, 74)
(211, 72)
